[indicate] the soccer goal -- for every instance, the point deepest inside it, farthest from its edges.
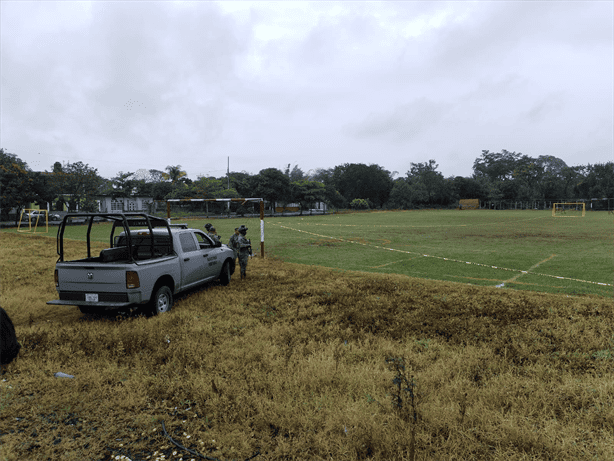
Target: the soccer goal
(193, 208)
(34, 217)
(569, 210)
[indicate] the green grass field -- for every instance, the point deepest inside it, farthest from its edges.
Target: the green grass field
(526, 250)
(308, 362)
(523, 250)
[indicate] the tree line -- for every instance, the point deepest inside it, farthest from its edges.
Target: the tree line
(497, 176)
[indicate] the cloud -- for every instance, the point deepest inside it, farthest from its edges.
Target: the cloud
(128, 85)
(548, 106)
(403, 122)
(127, 78)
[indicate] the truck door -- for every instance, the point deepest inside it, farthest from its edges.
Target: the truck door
(193, 264)
(210, 255)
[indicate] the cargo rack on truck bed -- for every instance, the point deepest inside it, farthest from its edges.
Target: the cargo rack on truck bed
(126, 221)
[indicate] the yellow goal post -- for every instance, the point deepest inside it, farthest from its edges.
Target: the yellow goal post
(33, 214)
(469, 204)
(569, 210)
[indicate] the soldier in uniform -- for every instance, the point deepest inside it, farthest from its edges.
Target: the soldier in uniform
(233, 243)
(213, 235)
(245, 250)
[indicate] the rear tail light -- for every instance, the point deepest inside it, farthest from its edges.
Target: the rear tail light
(56, 278)
(132, 279)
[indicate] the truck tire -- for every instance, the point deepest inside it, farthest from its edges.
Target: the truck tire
(161, 301)
(225, 274)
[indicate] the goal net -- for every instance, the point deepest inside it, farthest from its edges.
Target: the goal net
(218, 212)
(569, 210)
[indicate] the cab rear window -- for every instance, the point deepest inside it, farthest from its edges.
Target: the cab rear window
(142, 244)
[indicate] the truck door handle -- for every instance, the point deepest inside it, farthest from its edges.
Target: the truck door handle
(186, 259)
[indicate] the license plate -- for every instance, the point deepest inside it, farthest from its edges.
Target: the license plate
(91, 297)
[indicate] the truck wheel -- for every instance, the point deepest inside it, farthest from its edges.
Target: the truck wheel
(225, 274)
(162, 300)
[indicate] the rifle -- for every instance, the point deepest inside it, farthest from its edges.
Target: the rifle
(248, 247)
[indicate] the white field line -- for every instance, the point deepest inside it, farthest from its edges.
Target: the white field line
(393, 262)
(521, 272)
(531, 268)
(425, 227)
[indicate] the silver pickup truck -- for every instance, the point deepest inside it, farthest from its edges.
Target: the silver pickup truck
(146, 264)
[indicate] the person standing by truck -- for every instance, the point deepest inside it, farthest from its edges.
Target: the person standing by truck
(245, 250)
(233, 243)
(213, 234)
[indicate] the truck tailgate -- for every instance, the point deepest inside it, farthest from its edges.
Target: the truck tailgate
(106, 277)
(94, 284)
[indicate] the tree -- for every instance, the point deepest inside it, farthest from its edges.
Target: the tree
(528, 174)
(296, 174)
(428, 184)
(43, 188)
(181, 190)
(174, 173)
(158, 190)
(243, 183)
(599, 182)
(551, 164)
(213, 188)
(496, 166)
(401, 196)
(272, 185)
(333, 197)
(306, 193)
(79, 184)
(15, 184)
(514, 176)
(122, 185)
(152, 183)
(324, 176)
(356, 180)
(468, 188)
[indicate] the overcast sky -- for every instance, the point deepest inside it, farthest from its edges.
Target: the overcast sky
(129, 85)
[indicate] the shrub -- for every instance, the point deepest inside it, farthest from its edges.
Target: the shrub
(359, 204)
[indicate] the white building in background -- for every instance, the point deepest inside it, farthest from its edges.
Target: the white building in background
(108, 204)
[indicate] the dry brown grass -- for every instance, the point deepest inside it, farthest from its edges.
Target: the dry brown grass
(291, 363)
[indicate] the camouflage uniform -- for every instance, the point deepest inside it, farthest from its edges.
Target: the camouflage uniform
(245, 249)
(213, 235)
(233, 243)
